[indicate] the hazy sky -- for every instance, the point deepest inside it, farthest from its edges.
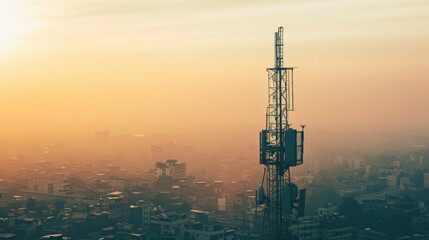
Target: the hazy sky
(182, 66)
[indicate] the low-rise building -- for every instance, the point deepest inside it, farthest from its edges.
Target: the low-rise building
(336, 228)
(200, 231)
(329, 209)
(306, 229)
(168, 224)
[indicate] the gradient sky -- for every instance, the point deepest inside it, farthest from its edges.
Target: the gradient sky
(180, 66)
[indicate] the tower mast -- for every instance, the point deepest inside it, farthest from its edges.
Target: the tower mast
(281, 147)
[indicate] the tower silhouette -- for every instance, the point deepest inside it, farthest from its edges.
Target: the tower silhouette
(281, 147)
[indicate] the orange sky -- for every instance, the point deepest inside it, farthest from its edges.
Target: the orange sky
(182, 66)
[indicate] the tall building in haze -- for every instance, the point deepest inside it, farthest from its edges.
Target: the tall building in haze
(171, 168)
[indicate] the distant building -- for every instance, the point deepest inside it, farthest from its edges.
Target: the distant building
(373, 204)
(355, 163)
(416, 158)
(171, 168)
(208, 203)
(199, 216)
(392, 180)
(404, 182)
(329, 209)
(333, 227)
(3, 199)
(396, 164)
(225, 203)
(336, 228)
(114, 204)
(371, 170)
(47, 183)
(117, 183)
(252, 224)
(135, 216)
(168, 225)
(147, 211)
(426, 180)
(140, 215)
(306, 229)
(218, 187)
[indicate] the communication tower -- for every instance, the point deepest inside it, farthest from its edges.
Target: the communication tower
(281, 147)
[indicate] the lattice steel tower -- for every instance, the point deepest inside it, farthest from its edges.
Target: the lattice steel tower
(281, 147)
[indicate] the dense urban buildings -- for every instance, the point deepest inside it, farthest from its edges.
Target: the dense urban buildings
(359, 195)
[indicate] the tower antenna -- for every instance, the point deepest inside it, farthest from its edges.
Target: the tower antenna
(281, 147)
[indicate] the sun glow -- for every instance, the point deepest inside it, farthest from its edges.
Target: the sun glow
(14, 25)
(7, 32)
